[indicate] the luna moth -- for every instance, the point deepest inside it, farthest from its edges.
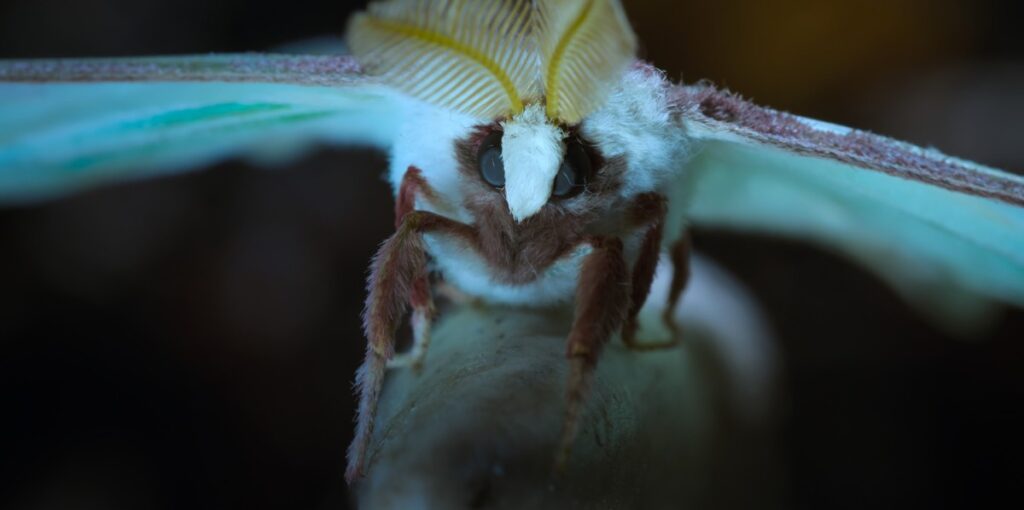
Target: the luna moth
(535, 162)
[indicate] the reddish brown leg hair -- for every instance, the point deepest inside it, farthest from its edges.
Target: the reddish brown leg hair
(680, 255)
(413, 184)
(602, 302)
(648, 209)
(398, 266)
(423, 314)
(423, 311)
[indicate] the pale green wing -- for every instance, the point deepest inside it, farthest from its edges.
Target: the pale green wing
(72, 124)
(946, 233)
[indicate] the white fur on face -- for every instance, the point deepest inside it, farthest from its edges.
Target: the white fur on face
(532, 151)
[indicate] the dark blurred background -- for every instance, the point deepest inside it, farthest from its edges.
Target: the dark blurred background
(190, 342)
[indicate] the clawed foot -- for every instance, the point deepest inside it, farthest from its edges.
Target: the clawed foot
(411, 360)
(422, 317)
(633, 344)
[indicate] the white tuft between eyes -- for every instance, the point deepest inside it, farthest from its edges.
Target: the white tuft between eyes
(532, 151)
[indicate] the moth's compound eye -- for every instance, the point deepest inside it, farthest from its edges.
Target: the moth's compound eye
(492, 168)
(574, 172)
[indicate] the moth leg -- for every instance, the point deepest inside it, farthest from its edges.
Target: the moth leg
(414, 186)
(420, 298)
(423, 314)
(602, 302)
(680, 255)
(648, 209)
(398, 265)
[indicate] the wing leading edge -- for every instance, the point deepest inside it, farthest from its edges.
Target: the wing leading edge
(946, 233)
(72, 124)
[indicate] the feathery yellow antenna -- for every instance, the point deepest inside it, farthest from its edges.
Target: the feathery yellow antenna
(585, 46)
(491, 58)
(471, 56)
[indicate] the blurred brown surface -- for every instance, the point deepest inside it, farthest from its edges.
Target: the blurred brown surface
(189, 342)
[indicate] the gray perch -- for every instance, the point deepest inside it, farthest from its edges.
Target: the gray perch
(687, 427)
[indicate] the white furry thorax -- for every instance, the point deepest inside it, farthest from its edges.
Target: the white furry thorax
(635, 124)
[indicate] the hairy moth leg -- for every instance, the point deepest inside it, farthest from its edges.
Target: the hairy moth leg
(398, 264)
(680, 255)
(602, 302)
(423, 314)
(420, 298)
(648, 209)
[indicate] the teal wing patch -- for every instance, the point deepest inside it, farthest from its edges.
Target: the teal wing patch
(947, 234)
(68, 125)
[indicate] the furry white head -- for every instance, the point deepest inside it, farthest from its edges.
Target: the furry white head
(532, 152)
(540, 64)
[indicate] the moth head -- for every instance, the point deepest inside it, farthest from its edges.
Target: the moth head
(633, 135)
(537, 68)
